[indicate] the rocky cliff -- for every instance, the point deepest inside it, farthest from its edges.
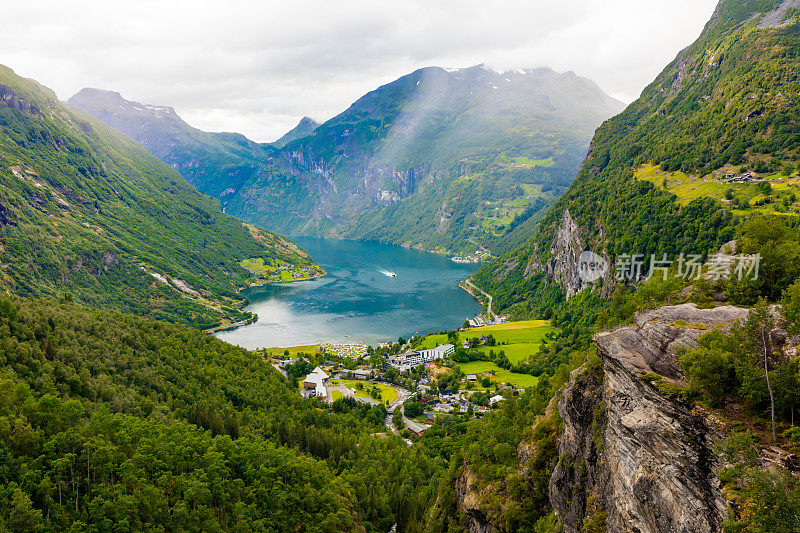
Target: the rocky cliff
(564, 265)
(469, 503)
(631, 459)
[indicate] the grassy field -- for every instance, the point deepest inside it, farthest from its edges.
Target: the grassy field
(528, 162)
(271, 270)
(519, 340)
(531, 189)
(388, 393)
(294, 350)
(522, 338)
(259, 268)
(335, 395)
(500, 375)
(499, 214)
(748, 195)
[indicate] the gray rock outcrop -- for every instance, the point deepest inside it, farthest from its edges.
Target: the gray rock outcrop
(632, 459)
(564, 264)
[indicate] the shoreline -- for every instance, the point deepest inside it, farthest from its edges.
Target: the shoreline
(470, 287)
(464, 285)
(253, 319)
(264, 283)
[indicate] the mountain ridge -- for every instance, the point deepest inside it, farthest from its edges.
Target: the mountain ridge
(380, 169)
(724, 105)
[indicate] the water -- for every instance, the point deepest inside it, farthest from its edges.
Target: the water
(372, 292)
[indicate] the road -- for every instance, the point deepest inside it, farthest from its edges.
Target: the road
(403, 396)
(486, 294)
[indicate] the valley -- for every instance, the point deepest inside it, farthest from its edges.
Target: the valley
(509, 303)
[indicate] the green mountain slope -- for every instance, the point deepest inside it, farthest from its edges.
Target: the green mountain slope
(86, 210)
(169, 428)
(726, 104)
(215, 163)
(443, 160)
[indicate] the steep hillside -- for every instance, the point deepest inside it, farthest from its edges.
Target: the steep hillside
(215, 163)
(686, 421)
(87, 211)
(112, 421)
(728, 104)
(444, 160)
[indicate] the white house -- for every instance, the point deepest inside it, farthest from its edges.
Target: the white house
(316, 384)
(494, 399)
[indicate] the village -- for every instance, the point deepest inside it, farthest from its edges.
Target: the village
(421, 381)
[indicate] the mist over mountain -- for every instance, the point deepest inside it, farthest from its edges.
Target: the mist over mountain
(447, 160)
(212, 162)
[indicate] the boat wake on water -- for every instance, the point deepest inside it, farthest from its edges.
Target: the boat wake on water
(387, 273)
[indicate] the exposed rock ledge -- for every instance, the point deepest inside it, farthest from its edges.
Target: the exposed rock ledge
(629, 457)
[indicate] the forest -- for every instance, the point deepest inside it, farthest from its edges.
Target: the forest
(86, 210)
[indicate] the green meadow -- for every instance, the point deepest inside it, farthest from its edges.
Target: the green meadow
(519, 340)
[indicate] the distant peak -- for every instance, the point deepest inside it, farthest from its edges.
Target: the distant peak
(305, 127)
(307, 121)
(90, 98)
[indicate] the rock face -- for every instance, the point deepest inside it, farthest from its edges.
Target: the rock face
(630, 458)
(650, 344)
(9, 98)
(469, 503)
(563, 266)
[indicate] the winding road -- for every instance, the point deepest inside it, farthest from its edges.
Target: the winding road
(486, 294)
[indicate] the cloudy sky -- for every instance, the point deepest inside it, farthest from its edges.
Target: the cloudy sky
(258, 66)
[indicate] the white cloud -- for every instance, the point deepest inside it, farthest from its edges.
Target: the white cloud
(257, 67)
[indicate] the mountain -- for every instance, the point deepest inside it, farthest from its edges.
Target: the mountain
(215, 163)
(657, 177)
(446, 160)
(86, 211)
(305, 127)
(681, 374)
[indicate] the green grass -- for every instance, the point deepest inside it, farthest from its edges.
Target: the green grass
(500, 375)
(527, 161)
(531, 189)
(294, 350)
(388, 393)
(432, 341)
(257, 266)
(688, 188)
(523, 338)
(286, 276)
(335, 395)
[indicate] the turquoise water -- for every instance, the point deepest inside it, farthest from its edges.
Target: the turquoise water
(357, 301)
